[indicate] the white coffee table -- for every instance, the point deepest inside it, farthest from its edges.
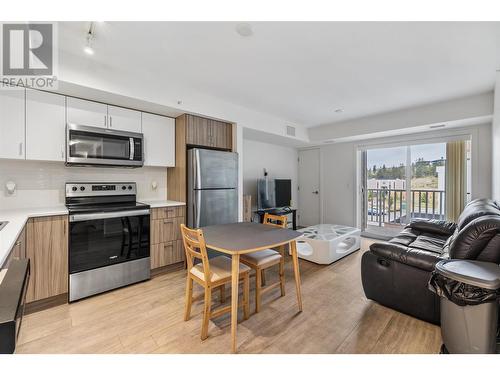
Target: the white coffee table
(327, 243)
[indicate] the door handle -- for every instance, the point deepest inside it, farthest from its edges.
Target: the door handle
(315, 192)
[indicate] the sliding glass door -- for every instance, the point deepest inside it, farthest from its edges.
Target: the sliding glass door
(401, 183)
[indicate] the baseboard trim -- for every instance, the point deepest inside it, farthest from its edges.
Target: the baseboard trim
(45, 303)
(375, 236)
(167, 269)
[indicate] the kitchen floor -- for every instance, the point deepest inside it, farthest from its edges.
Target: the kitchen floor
(148, 318)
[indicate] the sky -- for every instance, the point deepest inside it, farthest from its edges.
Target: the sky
(397, 155)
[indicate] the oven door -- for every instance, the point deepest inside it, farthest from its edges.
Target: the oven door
(103, 239)
(88, 145)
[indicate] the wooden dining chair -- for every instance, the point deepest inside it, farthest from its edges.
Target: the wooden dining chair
(264, 259)
(210, 274)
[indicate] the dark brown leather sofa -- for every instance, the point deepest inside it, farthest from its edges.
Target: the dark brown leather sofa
(396, 273)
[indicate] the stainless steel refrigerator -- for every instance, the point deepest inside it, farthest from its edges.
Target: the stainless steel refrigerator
(212, 187)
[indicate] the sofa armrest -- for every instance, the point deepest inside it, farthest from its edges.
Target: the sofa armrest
(422, 259)
(441, 227)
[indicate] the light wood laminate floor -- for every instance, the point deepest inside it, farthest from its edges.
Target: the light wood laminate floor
(148, 318)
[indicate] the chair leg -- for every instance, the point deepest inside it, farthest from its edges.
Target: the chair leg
(282, 275)
(189, 298)
(258, 286)
(246, 296)
(206, 312)
(222, 290)
(263, 276)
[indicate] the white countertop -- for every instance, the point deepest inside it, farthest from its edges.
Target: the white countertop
(162, 203)
(17, 220)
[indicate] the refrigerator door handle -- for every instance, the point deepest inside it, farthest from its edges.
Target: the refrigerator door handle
(197, 170)
(197, 208)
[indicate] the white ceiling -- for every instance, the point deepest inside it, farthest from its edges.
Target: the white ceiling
(301, 71)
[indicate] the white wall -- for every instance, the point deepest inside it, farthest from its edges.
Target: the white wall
(142, 87)
(496, 141)
(280, 162)
(472, 107)
(339, 168)
(41, 184)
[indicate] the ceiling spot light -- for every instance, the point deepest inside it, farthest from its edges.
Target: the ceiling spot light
(89, 40)
(88, 50)
(244, 29)
(338, 110)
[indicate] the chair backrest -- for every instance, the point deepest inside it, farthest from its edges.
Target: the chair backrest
(275, 220)
(195, 247)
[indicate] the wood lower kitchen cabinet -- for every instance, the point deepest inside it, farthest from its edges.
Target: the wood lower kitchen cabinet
(19, 249)
(166, 240)
(47, 250)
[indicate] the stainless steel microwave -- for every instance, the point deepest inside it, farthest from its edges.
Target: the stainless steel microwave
(93, 146)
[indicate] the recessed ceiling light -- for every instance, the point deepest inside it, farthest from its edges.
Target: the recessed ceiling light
(244, 29)
(89, 40)
(88, 50)
(339, 110)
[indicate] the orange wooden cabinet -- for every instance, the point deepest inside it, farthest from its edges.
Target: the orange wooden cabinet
(166, 242)
(47, 250)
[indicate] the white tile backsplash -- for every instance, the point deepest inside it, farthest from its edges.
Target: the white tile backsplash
(41, 184)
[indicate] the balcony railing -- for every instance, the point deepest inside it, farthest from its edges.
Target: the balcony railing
(391, 206)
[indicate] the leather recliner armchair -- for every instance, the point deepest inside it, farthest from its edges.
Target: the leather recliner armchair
(396, 273)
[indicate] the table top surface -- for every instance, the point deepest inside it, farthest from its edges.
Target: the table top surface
(246, 237)
(328, 232)
(288, 210)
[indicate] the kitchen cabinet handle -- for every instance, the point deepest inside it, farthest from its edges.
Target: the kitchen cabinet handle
(20, 148)
(62, 154)
(110, 121)
(105, 121)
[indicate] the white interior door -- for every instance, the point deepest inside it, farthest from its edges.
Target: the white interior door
(309, 184)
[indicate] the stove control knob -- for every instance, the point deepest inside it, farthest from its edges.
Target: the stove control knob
(74, 188)
(82, 188)
(130, 187)
(124, 187)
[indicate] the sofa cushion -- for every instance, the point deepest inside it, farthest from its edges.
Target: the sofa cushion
(418, 258)
(405, 237)
(433, 243)
(475, 209)
(440, 227)
(479, 240)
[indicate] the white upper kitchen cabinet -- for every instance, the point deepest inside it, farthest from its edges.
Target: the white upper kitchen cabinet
(159, 140)
(124, 119)
(86, 112)
(12, 123)
(45, 126)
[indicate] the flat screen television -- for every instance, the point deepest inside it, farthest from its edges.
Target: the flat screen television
(274, 193)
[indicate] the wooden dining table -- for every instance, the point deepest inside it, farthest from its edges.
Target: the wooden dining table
(243, 238)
